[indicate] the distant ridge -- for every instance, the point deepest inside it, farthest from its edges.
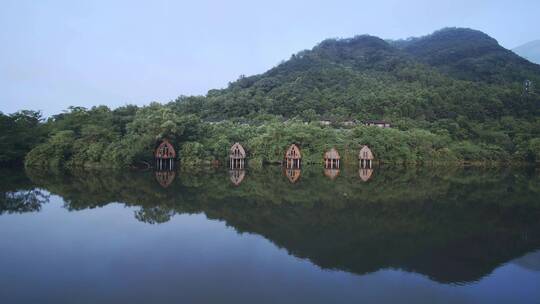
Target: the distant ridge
(529, 51)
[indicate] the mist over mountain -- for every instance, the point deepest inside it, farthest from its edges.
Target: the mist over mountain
(530, 51)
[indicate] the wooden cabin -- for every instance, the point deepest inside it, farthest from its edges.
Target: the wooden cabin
(293, 174)
(165, 155)
(293, 157)
(331, 159)
(331, 173)
(237, 176)
(377, 123)
(365, 174)
(366, 157)
(237, 156)
(165, 178)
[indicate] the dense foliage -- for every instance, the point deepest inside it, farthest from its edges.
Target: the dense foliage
(19, 133)
(455, 95)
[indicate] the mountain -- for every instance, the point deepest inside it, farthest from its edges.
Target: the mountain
(530, 51)
(452, 72)
(471, 55)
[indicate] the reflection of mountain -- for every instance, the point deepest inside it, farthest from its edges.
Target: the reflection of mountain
(529, 261)
(453, 226)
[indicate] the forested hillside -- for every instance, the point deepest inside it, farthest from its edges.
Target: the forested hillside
(454, 95)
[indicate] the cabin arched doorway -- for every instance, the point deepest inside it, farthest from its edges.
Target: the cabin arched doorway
(331, 159)
(165, 156)
(293, 157)
(237, 156)
(365, 156)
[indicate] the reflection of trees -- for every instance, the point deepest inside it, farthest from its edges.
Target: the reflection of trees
(17, 194)
(154, 215)
(22, 201)
(452, 225)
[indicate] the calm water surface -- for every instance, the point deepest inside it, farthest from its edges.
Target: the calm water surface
(268, 236)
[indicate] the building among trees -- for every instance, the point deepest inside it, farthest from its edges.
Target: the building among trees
(331, 159)
(293, 157)
(237, 156)
(377, 123)
(366, 157)
(165, 155)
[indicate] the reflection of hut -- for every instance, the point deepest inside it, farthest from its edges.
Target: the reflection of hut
(331, 173)
(165, 155)
(293, 157)
(292, 174)
(366, 157)
(331, 159)
(165, 178)
(237, 176)
(365, 174)
(237, 156)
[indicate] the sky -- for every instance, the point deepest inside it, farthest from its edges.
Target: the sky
(56, 54)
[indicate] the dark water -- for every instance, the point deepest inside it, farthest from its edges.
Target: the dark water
(387, 236)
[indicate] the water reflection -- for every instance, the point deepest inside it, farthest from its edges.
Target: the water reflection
(293, 174)
(453, 226)
(331, 173)
(365, 173)
(165, 178)
(237, 176)
(17, 193)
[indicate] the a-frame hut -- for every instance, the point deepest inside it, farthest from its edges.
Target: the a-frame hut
(237, 156)
(293, 157)
(366, 157)
(331, 159)
(165, 155)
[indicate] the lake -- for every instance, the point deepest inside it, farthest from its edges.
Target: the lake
(388, 235)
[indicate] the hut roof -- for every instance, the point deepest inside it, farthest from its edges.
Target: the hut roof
(165, 150)
(331, 154)
(293, 152)
(237, 151)
(365, 153)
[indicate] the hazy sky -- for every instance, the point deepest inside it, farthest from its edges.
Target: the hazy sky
(54, 54)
